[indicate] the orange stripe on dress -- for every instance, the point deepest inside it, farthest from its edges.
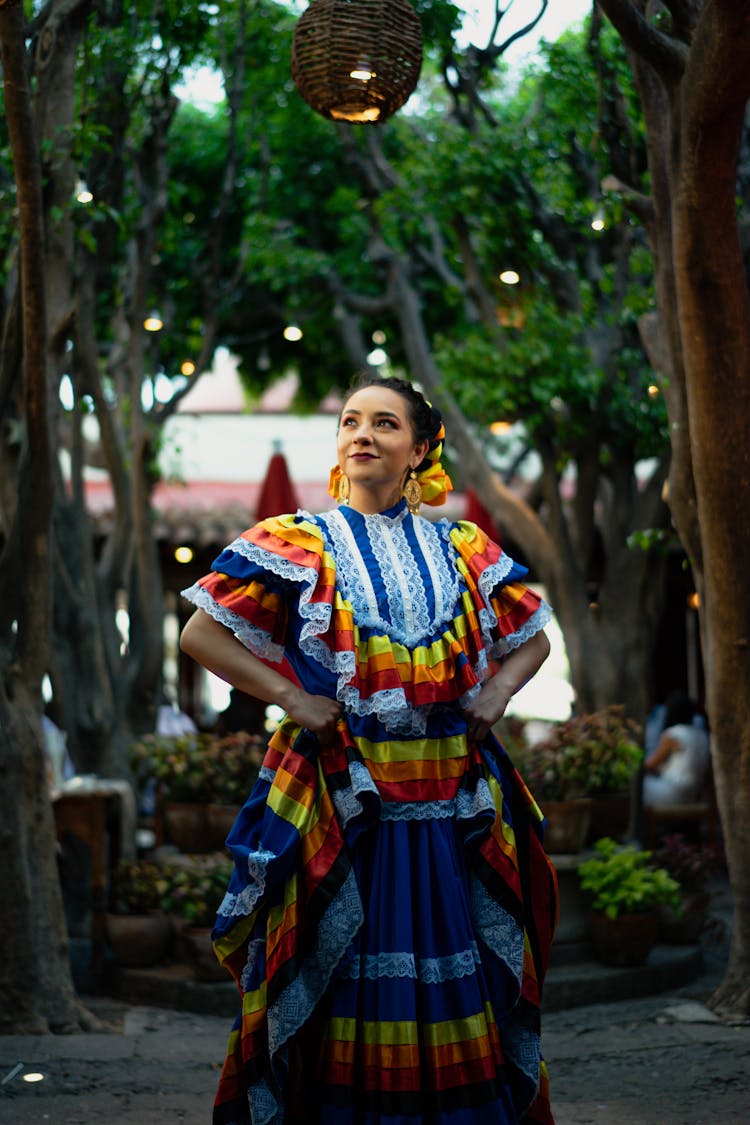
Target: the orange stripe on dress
(294, 544)
(419, 770)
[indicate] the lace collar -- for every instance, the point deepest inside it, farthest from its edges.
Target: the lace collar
(393, 515)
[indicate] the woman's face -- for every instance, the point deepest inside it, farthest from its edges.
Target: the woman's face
(376, 447)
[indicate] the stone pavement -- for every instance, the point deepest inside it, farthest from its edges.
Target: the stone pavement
(657, 1060)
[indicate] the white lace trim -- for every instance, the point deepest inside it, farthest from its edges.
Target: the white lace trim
(352, 577)
(445, 580)
(497, 928)
(254, 951)
(348, 802)
(254, 639)
(264, 1108)
(471, 804)
(393, 966)
(535, 623)
(400, 574)
(245, 902)
(417, 810)
(522, 1046)
(404, 586)
(336, 930)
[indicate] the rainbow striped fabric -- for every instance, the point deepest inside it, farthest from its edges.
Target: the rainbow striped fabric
(391, 912)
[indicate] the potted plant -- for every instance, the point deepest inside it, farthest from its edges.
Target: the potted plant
(181, 768)
(232, 763)
(626, 889)
(196, 889)
(550, 770)
(691, 865)
(591, 757)
(137, 928)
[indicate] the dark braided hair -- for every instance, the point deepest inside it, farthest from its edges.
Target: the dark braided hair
(425, 419)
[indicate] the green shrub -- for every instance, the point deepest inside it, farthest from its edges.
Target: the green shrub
(622, 880)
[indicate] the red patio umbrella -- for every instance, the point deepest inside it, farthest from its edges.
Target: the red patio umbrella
(277, 494)
(277, 498)
(478, 514)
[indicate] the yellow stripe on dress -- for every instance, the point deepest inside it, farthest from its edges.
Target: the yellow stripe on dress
(392, 1033)
(420, 749)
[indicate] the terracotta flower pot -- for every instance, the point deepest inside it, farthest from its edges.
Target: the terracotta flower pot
(186, 824)
(199, 953)
(610, 816)
(220, 819)
(685, 928)
(623, 941)
(567, 824)
(138, 940)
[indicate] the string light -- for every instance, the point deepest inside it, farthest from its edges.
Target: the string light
(82, 193)
(510, 277)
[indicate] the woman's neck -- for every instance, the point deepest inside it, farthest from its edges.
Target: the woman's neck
(370, 501)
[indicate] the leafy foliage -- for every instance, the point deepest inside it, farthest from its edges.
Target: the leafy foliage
(139, 887)
(198, 767)
(691, 864)
(588, 754)
(196, 889)
(623, 881)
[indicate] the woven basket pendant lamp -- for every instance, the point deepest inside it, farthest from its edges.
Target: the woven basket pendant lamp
(357, 60)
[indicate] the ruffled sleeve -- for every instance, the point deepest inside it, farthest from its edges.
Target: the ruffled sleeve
(509, 613)
(274, 574)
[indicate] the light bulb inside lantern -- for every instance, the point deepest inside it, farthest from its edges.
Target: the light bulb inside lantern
(355, 113)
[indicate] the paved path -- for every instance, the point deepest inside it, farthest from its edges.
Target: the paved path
(661, 1060)
(658, 1061)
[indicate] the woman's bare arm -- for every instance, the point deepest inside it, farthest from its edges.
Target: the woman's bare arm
(518, 667)
(215, 647)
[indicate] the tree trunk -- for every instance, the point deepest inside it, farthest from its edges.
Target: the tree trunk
(36, 991)
(694, 89)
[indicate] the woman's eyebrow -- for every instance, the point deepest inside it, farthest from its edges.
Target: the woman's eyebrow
(377, 413)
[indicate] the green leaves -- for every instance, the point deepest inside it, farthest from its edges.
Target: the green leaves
(623, 881)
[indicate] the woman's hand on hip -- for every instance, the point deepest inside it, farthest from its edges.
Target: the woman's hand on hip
(484, 711)
(317, 713)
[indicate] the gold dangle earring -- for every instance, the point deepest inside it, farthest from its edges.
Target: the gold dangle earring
(413, 493)
(344, 489)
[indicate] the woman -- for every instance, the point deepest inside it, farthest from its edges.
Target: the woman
(675, 772)
(391, 911)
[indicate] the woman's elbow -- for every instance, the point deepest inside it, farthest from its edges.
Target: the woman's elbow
(543, 646)
(191, 633)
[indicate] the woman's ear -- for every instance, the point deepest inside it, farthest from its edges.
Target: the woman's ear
(420, 452)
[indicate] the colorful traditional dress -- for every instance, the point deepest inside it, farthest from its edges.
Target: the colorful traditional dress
(390, 916)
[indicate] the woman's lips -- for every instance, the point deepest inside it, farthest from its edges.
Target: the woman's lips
(363, 457)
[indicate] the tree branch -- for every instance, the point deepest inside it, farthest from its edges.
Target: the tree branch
(666, 55)
(640, 205)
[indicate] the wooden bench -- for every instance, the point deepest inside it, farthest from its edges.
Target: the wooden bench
(703, 816)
